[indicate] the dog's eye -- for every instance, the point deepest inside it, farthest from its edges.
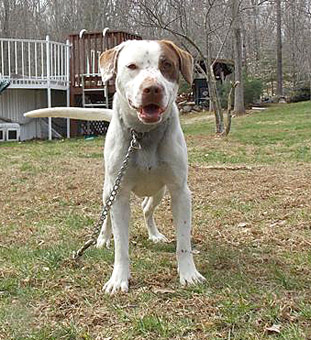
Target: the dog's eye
(132, 66)
(166, 65)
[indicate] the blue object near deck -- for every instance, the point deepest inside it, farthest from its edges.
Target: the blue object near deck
(3, 85)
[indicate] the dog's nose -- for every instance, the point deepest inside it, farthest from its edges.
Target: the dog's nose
(153, 90)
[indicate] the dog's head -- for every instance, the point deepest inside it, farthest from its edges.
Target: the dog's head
(147, 75)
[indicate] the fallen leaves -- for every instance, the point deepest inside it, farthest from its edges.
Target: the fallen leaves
(243, 225)
(163, 291)
(278, 223)
(274, 329)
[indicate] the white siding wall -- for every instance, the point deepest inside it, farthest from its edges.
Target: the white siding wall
(15, 102)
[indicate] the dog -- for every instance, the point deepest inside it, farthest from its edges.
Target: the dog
(147, 79)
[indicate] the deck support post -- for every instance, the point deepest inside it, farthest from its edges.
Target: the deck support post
(48, 75)
(68, 83)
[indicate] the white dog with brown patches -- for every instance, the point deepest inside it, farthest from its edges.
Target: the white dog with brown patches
(147, 74)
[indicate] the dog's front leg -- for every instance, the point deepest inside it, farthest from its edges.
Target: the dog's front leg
(120, 215)
(181, 208)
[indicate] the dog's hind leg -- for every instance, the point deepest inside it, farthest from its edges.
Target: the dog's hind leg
(105, 234)
(149, 205)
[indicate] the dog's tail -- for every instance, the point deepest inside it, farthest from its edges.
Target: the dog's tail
(72, 112)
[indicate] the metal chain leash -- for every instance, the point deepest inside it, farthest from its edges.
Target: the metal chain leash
(134, 145)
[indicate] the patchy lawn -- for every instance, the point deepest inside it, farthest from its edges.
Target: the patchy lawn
(251, 233)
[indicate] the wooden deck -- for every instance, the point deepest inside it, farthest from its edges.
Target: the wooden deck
(86, 49)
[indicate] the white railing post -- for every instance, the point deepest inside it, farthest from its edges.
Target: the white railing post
(29, 62)
(23, 62)
(2, 59)
(36, 61)
(48, 76)
(68, 82)
(42, 60)
(9, 58)
(16, 65)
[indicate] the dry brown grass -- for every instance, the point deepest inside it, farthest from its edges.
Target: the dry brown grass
(251, 233)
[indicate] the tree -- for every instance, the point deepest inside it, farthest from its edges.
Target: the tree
(6, 10)
(201, 26)
(279, 90)
(196, 25)
(239, 107)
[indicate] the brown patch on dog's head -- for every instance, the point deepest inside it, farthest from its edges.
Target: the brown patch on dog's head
(173, 60)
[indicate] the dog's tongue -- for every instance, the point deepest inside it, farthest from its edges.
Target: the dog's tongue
(151, 113)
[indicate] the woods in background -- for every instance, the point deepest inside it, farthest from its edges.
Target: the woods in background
(264, 29)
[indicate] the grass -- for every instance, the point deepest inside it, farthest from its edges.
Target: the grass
(280, 135)
(251, 231)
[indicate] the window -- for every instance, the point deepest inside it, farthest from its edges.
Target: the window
(12, 134)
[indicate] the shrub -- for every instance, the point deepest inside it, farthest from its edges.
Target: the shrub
(223, 91)
(299, 94)
(252, 91)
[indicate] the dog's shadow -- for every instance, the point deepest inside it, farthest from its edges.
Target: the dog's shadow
(238, 267)
(247, 267)
(224, 266)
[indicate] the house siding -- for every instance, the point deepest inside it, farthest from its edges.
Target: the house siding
(15, 102)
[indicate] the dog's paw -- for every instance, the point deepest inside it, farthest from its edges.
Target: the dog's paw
(115, 284)
(103, 240)
(101, 243)
(191, 278)
(187, 271)
(157, 238)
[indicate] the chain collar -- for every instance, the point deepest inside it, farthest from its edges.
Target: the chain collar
(136, 136)
(133, 146)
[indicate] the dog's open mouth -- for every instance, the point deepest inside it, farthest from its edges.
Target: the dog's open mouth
(150, 113)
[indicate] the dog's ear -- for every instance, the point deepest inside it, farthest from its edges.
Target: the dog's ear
(108, 61)
(185, 61)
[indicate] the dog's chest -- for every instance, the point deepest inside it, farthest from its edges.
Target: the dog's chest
(147, 168)
(149, 157)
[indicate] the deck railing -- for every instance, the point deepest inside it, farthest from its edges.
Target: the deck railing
(34, 63)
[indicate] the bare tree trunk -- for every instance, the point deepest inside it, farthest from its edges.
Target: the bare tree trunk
(219, 118)
(6, 19)
(212, 87)
(255, 32)
(239, 107)
(229, 110)
(279, 90)
(245, 56)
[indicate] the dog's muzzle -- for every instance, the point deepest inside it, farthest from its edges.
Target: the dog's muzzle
(151, 113)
